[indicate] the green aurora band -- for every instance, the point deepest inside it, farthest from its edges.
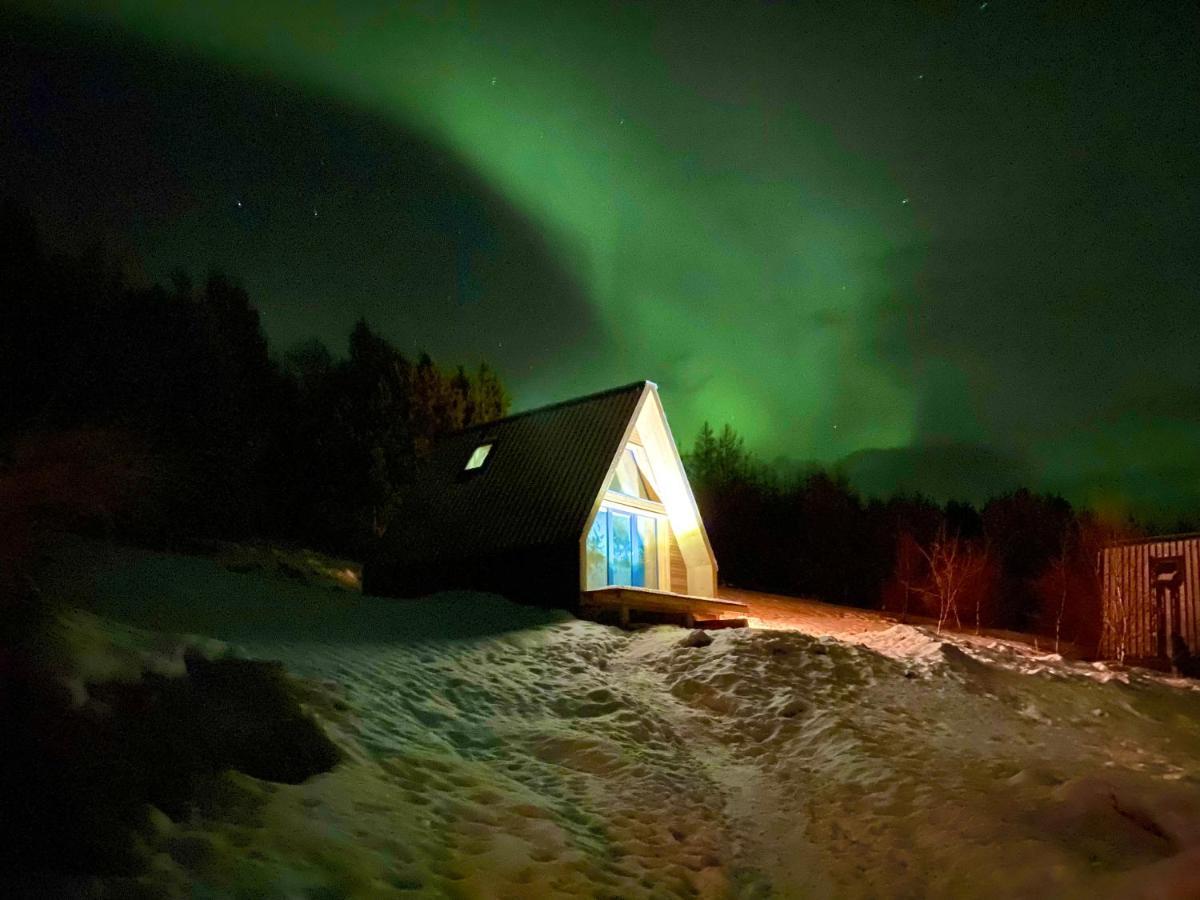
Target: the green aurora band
(739, 283)
(750, 198)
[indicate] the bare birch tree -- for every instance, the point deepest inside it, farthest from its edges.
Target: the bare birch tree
(1117, 617)
(1106, 589)
(954, 563)
(1059, 580)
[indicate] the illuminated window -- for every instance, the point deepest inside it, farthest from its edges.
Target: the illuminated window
(629, 480)
(479, 457)
(622, 549)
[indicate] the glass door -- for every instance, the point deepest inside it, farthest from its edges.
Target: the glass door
(645, 551)
(622, 549)
(597, 552)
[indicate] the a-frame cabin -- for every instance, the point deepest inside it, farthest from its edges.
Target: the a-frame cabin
(583, 503)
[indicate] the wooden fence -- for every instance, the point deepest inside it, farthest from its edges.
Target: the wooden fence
(1151, 596)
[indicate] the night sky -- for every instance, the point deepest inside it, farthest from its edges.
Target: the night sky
(950, 246)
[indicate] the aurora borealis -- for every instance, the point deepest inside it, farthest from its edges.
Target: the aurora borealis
(949, 244)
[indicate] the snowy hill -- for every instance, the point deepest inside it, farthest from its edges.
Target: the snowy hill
(493, 750)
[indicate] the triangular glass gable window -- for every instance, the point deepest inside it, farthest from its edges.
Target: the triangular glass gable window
(628, 478)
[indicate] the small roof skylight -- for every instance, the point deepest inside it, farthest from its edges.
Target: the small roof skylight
(478, 458)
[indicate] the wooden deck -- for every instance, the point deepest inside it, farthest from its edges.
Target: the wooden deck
(623, 605)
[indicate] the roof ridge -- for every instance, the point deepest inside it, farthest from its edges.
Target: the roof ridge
(549, 406)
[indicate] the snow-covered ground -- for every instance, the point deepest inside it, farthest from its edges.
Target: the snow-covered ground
(493, 750)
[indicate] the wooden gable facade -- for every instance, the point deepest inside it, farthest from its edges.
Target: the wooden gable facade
(552, 503)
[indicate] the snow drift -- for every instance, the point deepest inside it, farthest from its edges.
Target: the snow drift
(493, 750)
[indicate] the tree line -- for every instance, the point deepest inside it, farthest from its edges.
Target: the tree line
(159, 412)
(1024, 561)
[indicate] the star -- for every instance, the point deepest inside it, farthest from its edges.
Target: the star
(239, 204)
(904, 202)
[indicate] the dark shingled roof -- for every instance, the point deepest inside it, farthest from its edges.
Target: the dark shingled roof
(537, 487)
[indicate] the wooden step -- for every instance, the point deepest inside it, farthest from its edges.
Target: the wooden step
(681, 609)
